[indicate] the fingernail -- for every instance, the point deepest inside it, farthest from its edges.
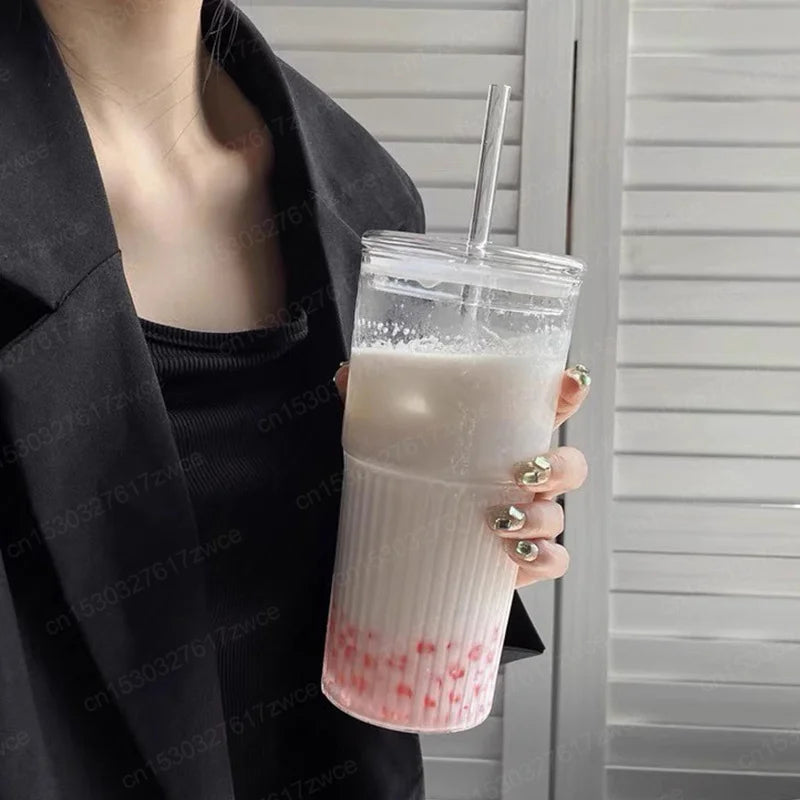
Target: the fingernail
(533, 473)
(581, 374)
(506, 518)
(526, 550)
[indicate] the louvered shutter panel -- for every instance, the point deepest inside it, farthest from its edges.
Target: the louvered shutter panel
(704, 670)
(415, 75)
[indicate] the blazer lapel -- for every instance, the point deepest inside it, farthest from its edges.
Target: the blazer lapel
(88, 431)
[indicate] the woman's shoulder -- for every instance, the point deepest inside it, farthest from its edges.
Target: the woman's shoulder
(350, 161)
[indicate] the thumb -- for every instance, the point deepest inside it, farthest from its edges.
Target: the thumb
(340, 378)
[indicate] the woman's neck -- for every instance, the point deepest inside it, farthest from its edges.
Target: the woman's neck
(139, 61)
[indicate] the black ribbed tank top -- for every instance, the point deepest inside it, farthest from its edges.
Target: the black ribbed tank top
(267, 427)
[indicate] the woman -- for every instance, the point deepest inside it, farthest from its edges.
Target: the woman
(164, 592)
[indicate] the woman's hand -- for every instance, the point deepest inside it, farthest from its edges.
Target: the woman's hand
(529, 529)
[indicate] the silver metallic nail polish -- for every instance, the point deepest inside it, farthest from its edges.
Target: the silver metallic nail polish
(581, 374)
(506, 518)
(533, 473)
(526, 550)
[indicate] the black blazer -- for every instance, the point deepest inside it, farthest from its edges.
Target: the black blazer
(92, 490)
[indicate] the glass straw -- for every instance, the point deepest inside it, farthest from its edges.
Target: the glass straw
(486, 184)
(488, 166)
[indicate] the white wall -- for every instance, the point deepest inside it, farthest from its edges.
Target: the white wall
(704, 670)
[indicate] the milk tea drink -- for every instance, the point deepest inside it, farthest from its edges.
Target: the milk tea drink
(424, 434)
(449, 388)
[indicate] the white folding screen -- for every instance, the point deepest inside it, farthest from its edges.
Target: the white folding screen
(415, 73)
(704, 670)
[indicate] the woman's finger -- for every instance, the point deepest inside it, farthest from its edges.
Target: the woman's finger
(340, 378)
(561, 470)
(538, 560)
(575, 384)
(541, 519)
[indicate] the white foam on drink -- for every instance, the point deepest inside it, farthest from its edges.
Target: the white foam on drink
(548, 344)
